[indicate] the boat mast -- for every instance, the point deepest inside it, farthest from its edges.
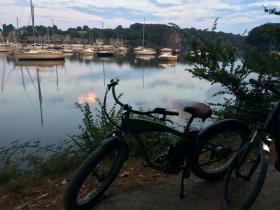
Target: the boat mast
(143, 34)
(33, 24)
(40, 97)
(1, 36)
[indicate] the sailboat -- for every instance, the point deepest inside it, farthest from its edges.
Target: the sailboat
(3, 46)
(141, 50)
(38, 54)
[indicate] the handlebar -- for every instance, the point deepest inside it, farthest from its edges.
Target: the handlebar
(267, 85)
(114, 82)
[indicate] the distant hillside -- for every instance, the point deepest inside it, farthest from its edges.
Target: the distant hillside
(265, 37)
(156, 35)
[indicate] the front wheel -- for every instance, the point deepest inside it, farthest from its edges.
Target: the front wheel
(245, 177)
(94, 176)
(216, 147)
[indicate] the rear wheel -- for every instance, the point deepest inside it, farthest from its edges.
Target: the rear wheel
(245, 177)
(93, 177)
(216, 148)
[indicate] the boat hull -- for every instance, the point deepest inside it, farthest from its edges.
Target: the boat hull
(167, 58)
(105, 54)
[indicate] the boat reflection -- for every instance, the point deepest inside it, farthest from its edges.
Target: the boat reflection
(40, 67)
(167, 64)
(87, 57)
(40, 63)
(145, 57)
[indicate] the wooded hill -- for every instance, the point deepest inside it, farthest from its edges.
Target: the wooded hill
(156, 35)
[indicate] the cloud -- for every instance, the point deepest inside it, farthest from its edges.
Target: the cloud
(163, 3)
(236, 15)
(118, 12)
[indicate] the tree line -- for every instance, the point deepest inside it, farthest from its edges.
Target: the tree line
(156, 35)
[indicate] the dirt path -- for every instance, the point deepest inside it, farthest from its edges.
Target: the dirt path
(200, 195)
(139, 188)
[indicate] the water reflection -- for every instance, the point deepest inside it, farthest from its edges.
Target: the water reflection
(145, 57)
(41, 67)
(37, 99)
(167, 64)
(88, 97)
(40, 63)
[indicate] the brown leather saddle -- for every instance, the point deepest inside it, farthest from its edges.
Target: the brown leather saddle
(199, 110)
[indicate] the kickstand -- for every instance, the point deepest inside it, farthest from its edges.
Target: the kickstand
(182, 187)
(186, 172)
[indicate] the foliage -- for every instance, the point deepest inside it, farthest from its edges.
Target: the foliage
(95, 128)
(156, 35)
(273, 11)
(265, 37)
(218, 63)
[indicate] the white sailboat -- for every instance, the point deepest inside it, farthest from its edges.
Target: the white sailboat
(167, 57)
(3, 46)
(141, 50)
(37, 54)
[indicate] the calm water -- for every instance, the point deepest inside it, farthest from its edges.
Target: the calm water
(38, 102)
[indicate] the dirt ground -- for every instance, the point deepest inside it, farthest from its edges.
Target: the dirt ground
(139, 188)
(199, 195)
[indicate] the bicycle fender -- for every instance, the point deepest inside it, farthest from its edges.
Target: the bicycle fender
(223, 124)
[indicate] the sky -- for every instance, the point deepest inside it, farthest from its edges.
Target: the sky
(236, 16)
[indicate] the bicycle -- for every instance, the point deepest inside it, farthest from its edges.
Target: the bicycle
(201, 152)
(247, 172)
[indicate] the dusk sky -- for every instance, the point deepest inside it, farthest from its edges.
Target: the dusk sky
(235, 15)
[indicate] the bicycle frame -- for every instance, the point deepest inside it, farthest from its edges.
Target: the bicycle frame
(137, 126)
(270, 130)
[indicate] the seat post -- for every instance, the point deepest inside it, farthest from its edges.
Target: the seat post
(189, 124)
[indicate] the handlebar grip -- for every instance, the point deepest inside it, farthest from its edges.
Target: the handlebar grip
(163, 111)
(172, 113)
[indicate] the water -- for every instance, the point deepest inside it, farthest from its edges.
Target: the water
(38, 102)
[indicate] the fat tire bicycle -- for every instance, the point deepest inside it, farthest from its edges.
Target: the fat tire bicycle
(203, 152)
(247, 173)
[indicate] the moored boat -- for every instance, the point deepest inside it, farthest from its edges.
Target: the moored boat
(167, 57)
(146, 51)
(4, 48)
(166, 50)
(105, 53)
(87, 52)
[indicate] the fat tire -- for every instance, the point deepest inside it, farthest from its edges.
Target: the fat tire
(206, 135)
(71, 193)
(260, 179)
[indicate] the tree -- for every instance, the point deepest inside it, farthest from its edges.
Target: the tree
(85, 28)
(265, 37)
(273, 11)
